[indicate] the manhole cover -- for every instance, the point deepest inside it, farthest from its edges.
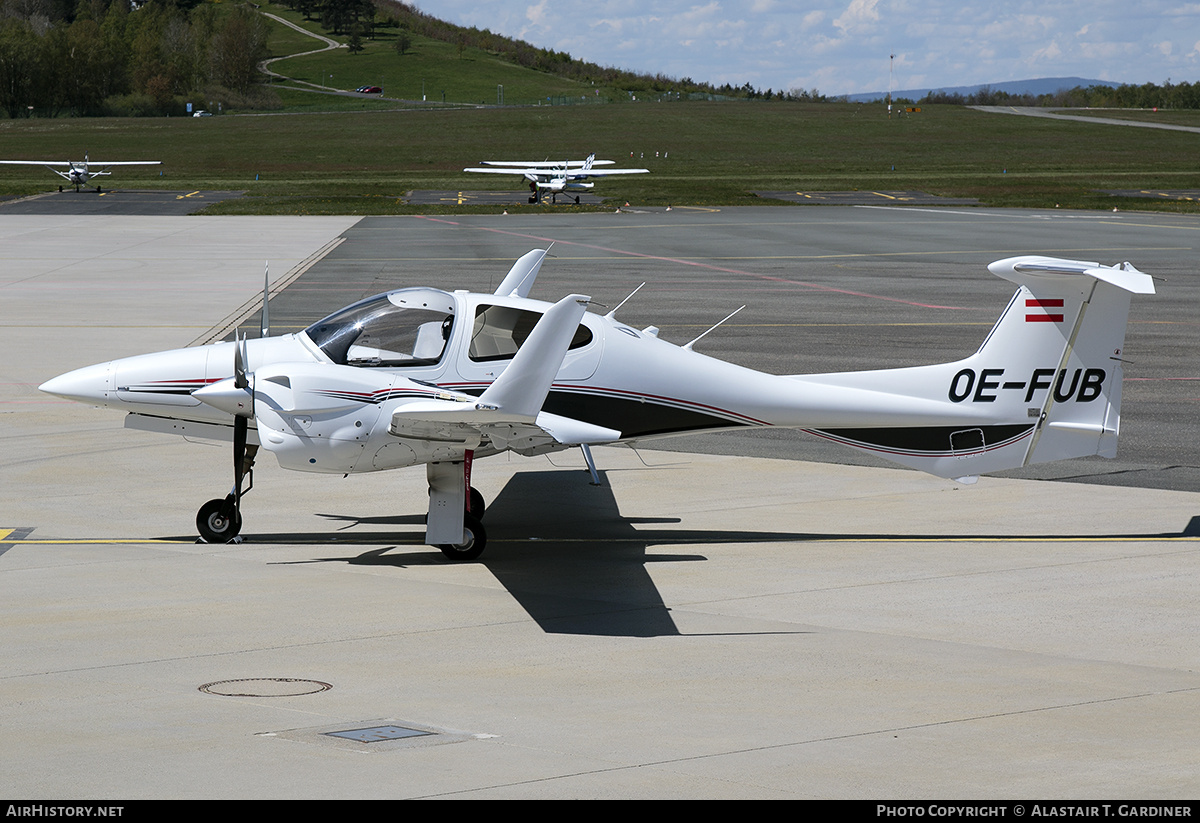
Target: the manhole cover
(265, 687)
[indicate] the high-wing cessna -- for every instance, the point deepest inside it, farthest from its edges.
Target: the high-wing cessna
(79, 173)
(555, 178)
(420, 375)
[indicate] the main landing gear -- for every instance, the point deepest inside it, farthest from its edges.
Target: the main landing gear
(454, 524)
(474, 540)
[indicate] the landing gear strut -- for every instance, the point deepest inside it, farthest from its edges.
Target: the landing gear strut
(220, 520)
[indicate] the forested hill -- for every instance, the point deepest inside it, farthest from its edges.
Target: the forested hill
(103, 57)
(153, 57)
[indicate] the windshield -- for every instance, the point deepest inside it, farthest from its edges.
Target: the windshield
(409, 327)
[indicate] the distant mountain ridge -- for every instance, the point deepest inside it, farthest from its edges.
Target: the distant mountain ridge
(1041, 85)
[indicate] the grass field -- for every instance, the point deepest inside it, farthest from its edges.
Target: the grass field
(330, 154)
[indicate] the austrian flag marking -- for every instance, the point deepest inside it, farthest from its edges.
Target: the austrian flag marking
(1041, 310)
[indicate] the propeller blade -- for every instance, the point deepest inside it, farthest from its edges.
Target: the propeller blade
(239, 364)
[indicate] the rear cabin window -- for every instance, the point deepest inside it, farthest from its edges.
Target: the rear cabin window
(500, 331)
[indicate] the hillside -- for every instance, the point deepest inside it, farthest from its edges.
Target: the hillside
(416, 57)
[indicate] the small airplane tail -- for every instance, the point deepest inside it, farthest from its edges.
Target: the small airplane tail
(1045, 385)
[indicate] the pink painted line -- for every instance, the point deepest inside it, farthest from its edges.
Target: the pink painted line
(708, 266)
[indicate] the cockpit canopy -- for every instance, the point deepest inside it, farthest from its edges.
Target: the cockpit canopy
(412, 327)
(409, 327)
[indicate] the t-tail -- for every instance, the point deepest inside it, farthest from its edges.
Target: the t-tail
(1045, 385)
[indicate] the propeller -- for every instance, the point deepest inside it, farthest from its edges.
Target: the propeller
(221, 519)
(241, 422)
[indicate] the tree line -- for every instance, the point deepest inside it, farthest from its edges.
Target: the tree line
(1146, 96)
(108, 57)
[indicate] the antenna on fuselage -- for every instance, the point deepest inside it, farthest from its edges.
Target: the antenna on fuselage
(697, 340)
(613, 313)
(264, 327)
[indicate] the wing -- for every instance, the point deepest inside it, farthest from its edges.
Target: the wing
(611, 172)
(514, 170)
(508, 414)
(574, 164)
(36, 162)
(125, 163)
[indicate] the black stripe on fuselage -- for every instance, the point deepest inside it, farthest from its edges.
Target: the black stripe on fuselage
(929, 440)
(631, 417)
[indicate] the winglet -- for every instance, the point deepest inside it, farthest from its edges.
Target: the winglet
(522, 387)
(520, 278)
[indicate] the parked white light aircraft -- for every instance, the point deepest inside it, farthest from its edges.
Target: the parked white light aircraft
(79, 173)
(567, 176)
(420, 375)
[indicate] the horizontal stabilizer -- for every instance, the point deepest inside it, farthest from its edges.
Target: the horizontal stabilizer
(1030, 270)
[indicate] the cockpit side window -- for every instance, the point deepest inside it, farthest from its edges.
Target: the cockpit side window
(385, 331)
(500, 331)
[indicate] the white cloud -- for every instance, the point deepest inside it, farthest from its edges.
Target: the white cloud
(858, 15)
(538, 15)
(841, 46)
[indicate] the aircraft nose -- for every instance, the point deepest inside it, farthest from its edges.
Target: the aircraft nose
(91, 384)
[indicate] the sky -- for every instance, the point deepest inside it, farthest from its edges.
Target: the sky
(846, 46)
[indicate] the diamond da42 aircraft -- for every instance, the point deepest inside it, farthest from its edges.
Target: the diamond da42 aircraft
(423, 376)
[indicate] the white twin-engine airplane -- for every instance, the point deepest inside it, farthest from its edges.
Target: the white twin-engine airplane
(556, 178)
(420, 375)
(79, 173)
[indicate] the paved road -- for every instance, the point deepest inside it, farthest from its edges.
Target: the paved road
(130, 202)
(1032, 111)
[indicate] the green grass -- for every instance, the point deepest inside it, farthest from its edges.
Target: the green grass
(328, 154)
(431, 71)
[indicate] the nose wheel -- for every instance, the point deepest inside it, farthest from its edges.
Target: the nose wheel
(219, 521)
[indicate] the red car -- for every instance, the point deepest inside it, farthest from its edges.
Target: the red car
(369, 90)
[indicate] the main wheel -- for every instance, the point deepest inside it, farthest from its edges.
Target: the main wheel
(476, 504)
(214, 525)
(476, 540)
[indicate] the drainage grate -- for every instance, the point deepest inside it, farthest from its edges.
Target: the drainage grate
(265, 687)
(378, 733)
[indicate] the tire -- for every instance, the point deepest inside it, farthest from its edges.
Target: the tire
(216, 527)
(476, 542)
(475, 504)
